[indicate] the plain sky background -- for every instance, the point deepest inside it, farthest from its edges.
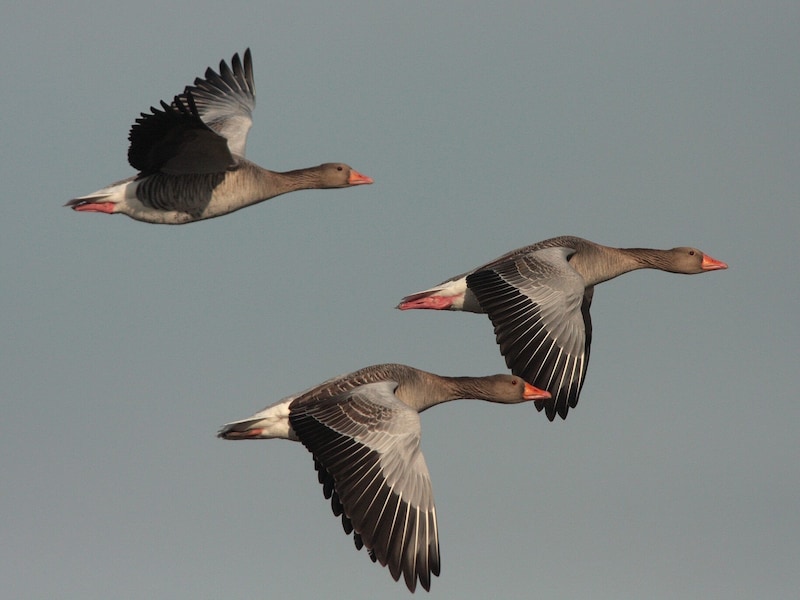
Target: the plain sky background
(486, 126)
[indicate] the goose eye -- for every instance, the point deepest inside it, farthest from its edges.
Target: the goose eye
(514, 382)
(338, 168)
(691, 252)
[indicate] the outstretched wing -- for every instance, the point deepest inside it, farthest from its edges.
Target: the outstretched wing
(365, 444)
(204, 129)
(540, 310)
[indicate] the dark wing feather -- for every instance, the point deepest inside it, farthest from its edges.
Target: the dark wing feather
(176, 141)
(365, 444)
(540, 310)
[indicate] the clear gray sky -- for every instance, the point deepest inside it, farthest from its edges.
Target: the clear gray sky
(486, 126)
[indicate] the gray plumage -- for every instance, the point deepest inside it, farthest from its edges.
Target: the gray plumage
(363, 430)
(538, 299)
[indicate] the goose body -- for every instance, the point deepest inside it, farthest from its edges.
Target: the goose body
(538, 299)
(363, 430)
(190, 155)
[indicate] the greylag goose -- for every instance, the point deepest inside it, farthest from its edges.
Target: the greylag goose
(538, 300)
(363, 430)
(190, 157)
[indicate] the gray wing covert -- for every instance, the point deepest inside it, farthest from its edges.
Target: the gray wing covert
(225, 101)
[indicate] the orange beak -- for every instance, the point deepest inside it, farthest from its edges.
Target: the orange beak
(534, 393)
(357, 178)
(712, 264)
